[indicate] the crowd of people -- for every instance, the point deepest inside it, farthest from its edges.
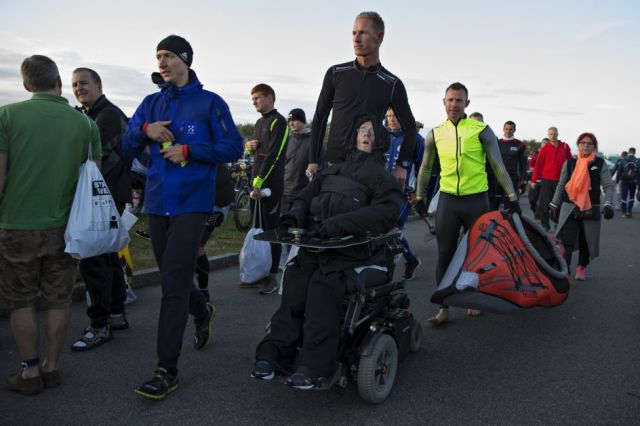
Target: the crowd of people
(373, 169)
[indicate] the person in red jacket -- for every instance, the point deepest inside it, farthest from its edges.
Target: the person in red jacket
(546, 172)
(534, 191)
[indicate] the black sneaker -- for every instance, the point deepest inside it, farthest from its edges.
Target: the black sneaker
(143, 233)
(263, 370)
(269, 285)
(160, 386)
(304, 379)
(410, 269)
(118, 322)
(204, 328)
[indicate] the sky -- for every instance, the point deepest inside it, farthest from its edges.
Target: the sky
(570, 64)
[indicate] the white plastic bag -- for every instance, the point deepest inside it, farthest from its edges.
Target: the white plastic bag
(94, 226)
(255, 256)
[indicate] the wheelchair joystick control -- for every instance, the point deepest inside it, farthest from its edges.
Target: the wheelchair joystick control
(297, 234)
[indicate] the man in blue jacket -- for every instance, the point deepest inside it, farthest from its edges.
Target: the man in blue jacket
(188, 130)
(396, 138)
(628, 176)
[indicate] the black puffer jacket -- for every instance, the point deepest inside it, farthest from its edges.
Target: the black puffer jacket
(354, 197)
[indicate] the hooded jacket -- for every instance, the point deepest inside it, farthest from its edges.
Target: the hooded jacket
(354, 197)
(199, 119)
(296, 162)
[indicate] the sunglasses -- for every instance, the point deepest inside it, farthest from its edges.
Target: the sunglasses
(586, 143)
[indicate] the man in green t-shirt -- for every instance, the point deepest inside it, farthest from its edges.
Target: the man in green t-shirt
(43, 142)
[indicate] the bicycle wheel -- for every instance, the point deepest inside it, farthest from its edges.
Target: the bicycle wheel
(241, 211)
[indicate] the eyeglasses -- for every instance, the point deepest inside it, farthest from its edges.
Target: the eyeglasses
(365, 130)
(585, 143)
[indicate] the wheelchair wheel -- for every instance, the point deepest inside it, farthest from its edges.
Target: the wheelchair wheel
(377, 372)
(416, 337)
(241, 211)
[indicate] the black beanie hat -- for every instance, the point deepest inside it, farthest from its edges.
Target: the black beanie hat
(179, 46)
(297, 114)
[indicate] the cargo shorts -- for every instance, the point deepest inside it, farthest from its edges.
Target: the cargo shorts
(34, 262)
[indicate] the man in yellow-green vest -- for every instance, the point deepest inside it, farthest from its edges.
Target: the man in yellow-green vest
(463, 146)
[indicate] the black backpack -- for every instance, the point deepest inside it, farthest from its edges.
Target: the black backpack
(629, 172)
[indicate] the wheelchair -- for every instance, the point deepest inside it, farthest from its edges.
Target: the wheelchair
(377, 330)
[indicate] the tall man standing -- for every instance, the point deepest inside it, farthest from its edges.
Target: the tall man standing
(268, 147)
(463, 146)
(547, 169)
(188, 130)
(359, 87)
(103, 275)
(37, 186)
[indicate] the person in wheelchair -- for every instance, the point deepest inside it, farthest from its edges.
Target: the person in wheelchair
(356, 197)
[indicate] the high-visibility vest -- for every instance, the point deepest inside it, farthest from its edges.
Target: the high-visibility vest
(462, 157)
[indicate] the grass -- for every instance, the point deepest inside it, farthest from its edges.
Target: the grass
(225, 239)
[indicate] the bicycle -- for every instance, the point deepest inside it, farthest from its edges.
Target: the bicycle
(240, 172)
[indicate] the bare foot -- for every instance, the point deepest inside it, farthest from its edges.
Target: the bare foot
(441, 317)
(474, 312)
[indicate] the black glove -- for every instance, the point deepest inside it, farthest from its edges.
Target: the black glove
(513, 207)
(287, 221)
(607, 212)
(421, 208)
(553, 212)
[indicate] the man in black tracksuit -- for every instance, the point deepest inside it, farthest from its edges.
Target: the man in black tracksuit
(514, 157)
(103, 275)
(359, 87)
(269, 149)
(354, 197)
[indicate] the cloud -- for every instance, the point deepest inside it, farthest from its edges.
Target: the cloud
(124, 86)
(425, 85)
(546, 111)
(599, 29)
(610, 107)
(520, 92)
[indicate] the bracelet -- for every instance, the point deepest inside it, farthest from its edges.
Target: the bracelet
(185, 151)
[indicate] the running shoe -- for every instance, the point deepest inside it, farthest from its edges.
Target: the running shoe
(269, 285)
(160, 386)
(143, 233)
(581, 273)
(263, 370)
(204, 329)
(304, 379)
(410, 269)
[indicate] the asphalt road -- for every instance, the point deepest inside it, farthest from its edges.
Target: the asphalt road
(578, 363)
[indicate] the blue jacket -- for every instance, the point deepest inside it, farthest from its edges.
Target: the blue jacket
(395, 142)
(199, 119)
(626, 160)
